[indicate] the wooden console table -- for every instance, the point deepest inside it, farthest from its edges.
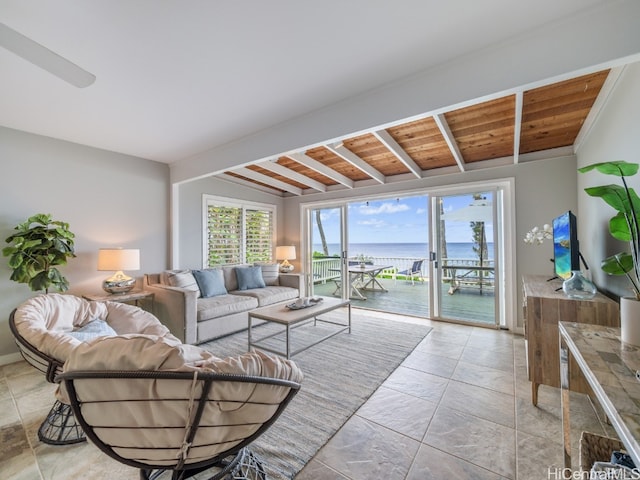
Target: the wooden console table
(609, 366)
(543, 308)
(134, 296)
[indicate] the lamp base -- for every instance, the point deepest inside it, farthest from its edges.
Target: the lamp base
(286, 267)
(118, 284)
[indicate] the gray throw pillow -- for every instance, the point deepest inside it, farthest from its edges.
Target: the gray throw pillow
(210, 281)
(270, 273)
(249, 277)
(183, 279)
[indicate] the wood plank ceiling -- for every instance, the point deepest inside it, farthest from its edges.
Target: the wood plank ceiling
(480, 135)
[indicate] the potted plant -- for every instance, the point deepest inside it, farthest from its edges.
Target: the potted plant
(625, 226)
(39, 245)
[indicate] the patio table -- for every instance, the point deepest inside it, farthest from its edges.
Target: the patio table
(363, 277)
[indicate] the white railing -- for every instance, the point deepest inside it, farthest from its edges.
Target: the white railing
(329, 268)
(325, 269)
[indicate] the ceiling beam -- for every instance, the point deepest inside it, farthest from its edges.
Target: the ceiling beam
(446, 132)
(348, 156)
(278, 169)
(262, 178)
(517, 126)
(393, 146)
(309, 162)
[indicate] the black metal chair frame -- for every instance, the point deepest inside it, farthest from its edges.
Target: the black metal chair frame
(234, 463)
(59, 427)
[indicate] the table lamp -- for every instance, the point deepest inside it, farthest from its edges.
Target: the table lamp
(118, 259)
(286, 253)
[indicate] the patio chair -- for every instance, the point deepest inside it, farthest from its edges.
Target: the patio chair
(414, 272)
(47, 328)
(160, 407)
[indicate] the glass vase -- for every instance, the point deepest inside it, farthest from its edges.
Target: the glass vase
(579, 287)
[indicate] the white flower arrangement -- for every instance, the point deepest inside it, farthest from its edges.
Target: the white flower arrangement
(537, 235)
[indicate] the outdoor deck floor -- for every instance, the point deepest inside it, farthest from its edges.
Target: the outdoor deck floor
(404, 298)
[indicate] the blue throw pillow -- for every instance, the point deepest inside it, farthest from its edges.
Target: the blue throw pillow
(210, 282)
(249, 277)
(95, 328)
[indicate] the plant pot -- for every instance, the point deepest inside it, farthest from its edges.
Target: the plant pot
(630, 320)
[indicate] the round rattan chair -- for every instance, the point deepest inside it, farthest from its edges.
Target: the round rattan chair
(177, 408)
(47, 328)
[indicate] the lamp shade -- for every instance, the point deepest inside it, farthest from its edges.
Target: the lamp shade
(286, 252)
(114, 259)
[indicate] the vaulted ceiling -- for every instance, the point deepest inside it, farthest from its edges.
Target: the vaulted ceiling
(399, 90)
(526, 125)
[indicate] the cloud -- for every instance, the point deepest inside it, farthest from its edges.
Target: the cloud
(373, 223)
(386, 207)
(421, 211)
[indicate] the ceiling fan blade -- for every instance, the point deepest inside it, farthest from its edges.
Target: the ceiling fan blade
(44, 58)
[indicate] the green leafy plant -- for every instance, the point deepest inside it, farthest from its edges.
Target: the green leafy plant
(625, 225)
(40, 245)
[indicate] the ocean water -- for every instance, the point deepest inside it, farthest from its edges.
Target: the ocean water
(407, 250)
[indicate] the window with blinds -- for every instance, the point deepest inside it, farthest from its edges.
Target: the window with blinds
(238, 233)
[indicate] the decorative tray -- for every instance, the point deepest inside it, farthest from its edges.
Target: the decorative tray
(314, 301)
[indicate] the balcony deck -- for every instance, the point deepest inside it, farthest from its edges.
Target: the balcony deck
(404, 298)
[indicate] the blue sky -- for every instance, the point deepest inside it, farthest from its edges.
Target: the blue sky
(400, 220)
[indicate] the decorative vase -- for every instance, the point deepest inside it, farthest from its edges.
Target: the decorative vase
(630, 320)
(579, 287)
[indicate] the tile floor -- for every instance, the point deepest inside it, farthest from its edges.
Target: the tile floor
(459, 407)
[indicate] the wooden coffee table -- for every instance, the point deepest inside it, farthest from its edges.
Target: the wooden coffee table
(291, 319)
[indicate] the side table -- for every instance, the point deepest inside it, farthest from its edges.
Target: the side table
(137, 297)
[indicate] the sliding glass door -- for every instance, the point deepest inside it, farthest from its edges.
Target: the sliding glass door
(326, 251)
(444, 254)
(465, 257)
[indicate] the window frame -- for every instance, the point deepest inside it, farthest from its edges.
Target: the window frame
(219, 201)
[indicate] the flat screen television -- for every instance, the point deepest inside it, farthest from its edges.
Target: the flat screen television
(566, 252)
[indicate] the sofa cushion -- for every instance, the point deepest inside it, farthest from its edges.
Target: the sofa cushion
(269, 295)
(221, 305)
(270, 273)
(230, 279)
(249, 277)
(183, 279)
(210, 281)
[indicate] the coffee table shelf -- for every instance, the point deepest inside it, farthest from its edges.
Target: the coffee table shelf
(292, 319)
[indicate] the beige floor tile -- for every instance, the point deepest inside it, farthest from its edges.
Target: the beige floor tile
(478, 441)
(433, 464)
(442, 348)
(362, 450)
(431, 363)
(316, 470)
(419, 384)
(483, 376)
(481, 402)
(400, 412)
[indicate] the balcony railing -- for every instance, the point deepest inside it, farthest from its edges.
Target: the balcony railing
(465, 271)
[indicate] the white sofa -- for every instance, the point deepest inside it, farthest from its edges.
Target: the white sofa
(195, 317)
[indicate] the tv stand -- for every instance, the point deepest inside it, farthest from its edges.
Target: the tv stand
(543, 308)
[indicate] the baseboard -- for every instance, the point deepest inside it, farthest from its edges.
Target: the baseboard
(11, 358)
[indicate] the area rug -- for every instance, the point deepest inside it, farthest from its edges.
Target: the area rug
(340, 374)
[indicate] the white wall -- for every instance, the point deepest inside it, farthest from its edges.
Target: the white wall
(615, 136)
(107, 198)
